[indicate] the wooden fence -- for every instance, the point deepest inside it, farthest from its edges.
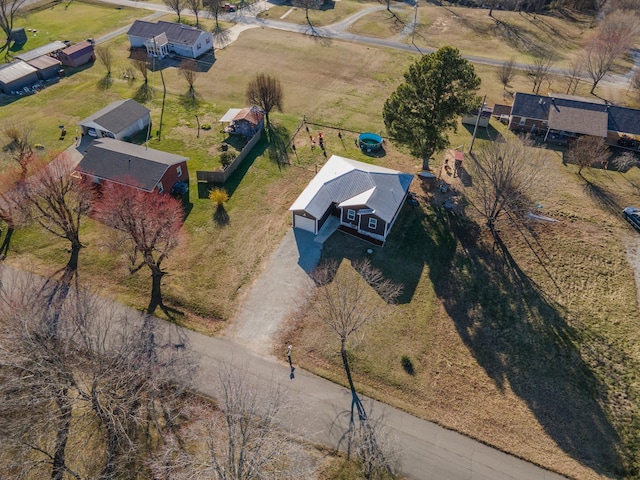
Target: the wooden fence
(221, 176)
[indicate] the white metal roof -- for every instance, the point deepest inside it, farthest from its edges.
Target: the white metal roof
(230, 115)
(348, 182)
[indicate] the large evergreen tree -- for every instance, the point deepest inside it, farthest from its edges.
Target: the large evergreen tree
(437, 89)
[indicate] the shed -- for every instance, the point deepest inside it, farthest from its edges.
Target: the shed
(47, 67)
(243, 121)
(16, 76)
(77, 55)
(19, 36)
(120, 119)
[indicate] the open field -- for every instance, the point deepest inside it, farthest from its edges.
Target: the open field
(535, 353)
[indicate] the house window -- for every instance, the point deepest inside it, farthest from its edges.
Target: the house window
(523, 120)
(208, 40)
(179, 170)
(373, 223)
(199, 46)
(160, 188)
(351, 214)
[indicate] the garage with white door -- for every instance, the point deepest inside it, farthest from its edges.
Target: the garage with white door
(304, 223)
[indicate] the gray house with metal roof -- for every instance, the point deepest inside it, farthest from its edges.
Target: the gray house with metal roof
(121, 120)
(561, 116)
(162, 38)
(108, 160)
(365, 198)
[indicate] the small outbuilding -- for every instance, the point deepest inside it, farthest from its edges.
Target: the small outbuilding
(77, 55)
(107, 160)
(47, 67)
(19, 36)
(121, 120)
(17, 76)
(243, 121)
(49, 49)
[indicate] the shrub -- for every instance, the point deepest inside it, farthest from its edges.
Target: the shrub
(218, 196)
(226, 158)
(407, 365)
(206, 126)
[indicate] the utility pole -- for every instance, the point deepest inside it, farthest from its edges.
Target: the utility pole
(475, 128)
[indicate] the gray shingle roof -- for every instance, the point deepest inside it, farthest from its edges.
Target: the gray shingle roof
(619, 119)
(126, 163)
(342, 179)
(118, 115)
(176, 32)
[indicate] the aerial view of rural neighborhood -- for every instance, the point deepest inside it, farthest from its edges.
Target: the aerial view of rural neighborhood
(319, 239)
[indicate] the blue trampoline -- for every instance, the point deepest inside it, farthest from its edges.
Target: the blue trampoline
(369, 142)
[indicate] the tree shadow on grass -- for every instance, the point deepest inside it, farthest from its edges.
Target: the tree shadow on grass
(602, 197)
(221, 216)
(105, 82)
(278, 137)
(144, 94)
(515, 331)
(519, 336)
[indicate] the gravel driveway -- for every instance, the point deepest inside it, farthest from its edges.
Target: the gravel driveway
(281, 288)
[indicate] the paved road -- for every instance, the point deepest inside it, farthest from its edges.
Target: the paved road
(248, 18)
(317, 411)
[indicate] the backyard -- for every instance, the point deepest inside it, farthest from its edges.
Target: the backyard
(534, 351)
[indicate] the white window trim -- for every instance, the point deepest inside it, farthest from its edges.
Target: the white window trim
(160, 187)
(523, 120)
(179, 170)
(373, 223)
(351, 214)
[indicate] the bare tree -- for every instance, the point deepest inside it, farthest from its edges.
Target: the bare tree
(20, 146)
(307, 5)
(104, 376)
(573, 74)
(196, 7)
(147, 227)
(617, 33)
(625, 161)
(507, 72)
(214, 7)
(189, 70)
(506, 175)
(58, 201)
(143, 67)
(265, 91)
(176, 6)
(539, 70)
(346, 302)
(586, 151)
(10, 10)
(105, 56)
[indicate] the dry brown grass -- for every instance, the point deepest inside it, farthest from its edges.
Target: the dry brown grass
(535, 353)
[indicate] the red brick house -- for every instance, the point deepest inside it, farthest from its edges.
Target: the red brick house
(109, 160)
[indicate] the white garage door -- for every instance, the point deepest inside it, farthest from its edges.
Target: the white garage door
(304, 223)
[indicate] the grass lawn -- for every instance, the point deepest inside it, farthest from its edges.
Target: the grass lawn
(89, 19)
(536, 353)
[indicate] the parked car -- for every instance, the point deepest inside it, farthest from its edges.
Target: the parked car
(632, 215)
(180, 188)
(227, 7)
